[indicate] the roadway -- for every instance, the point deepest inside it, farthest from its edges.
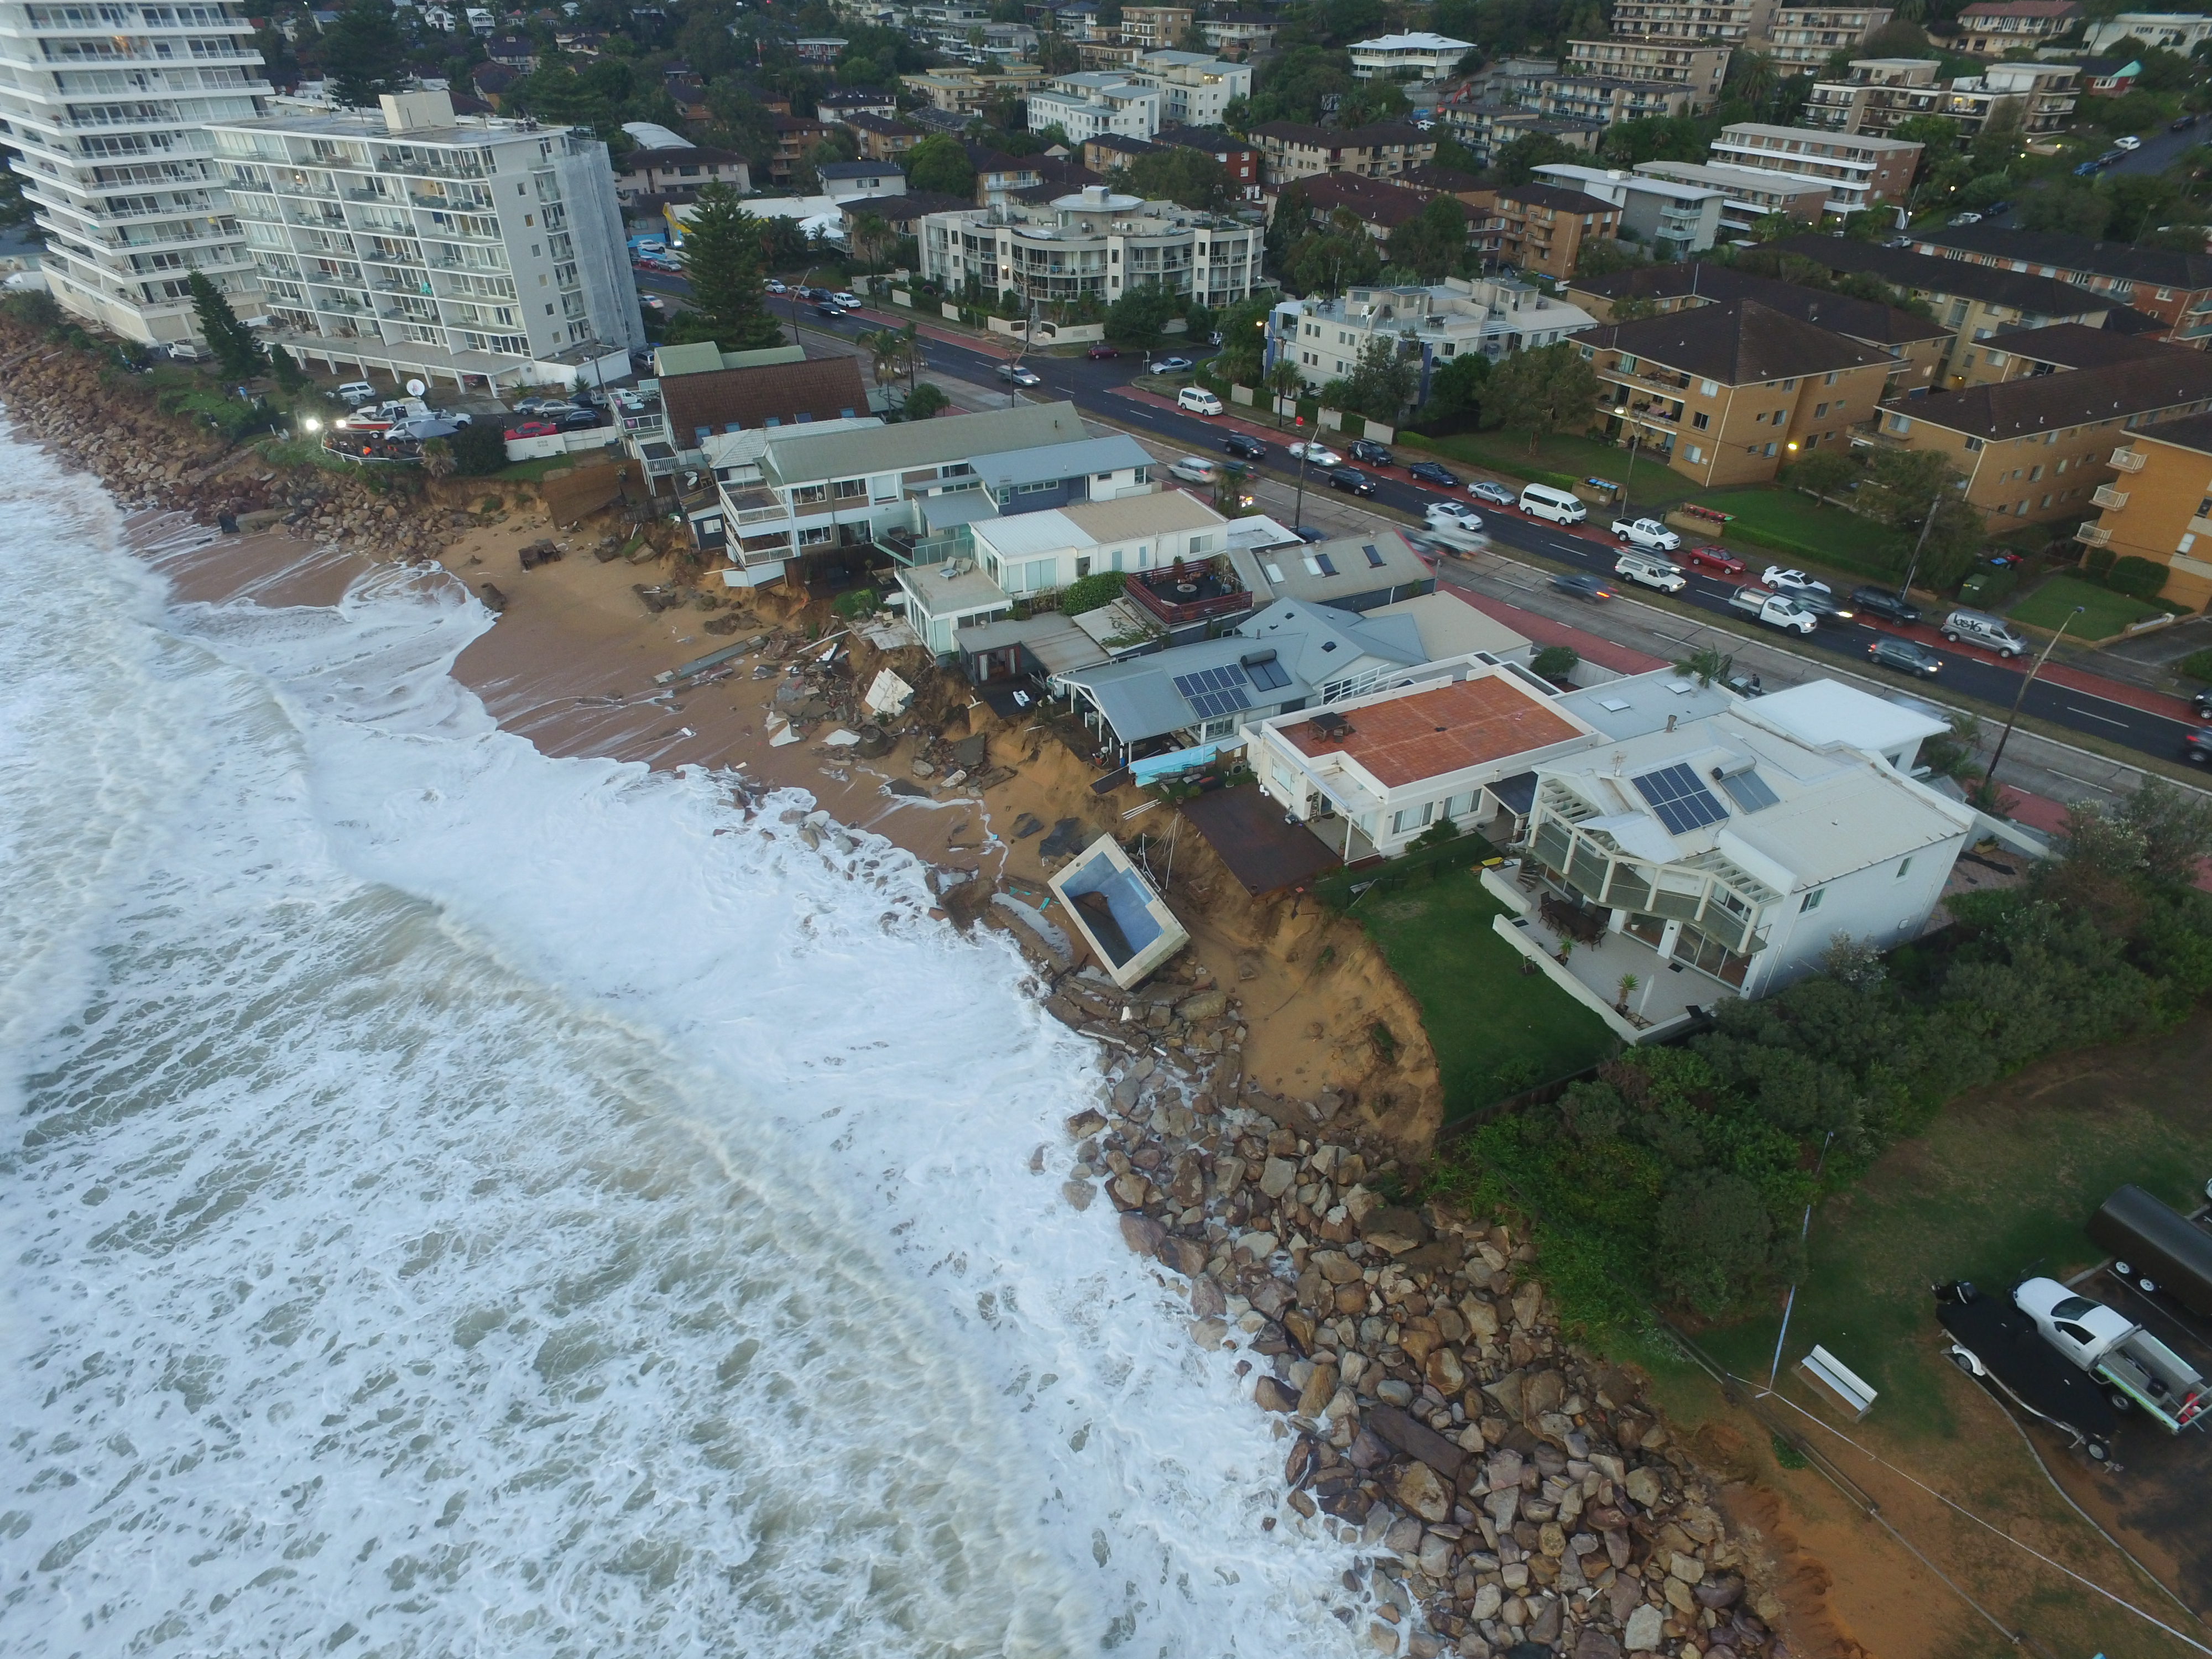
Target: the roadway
(1100, 389)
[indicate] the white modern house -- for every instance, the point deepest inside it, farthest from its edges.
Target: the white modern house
(855, 181)
(2175, 31)
(107, 109)
(1194, 88)
(1671, 217)
(1419, 56)
(1096, 102)
(462, 248)
(1096, 242)
(1492, 316)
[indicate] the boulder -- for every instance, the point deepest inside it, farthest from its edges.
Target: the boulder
(1207, 1004)
(1273, 1394)
(1643, 1631)
(1085, 1123)
(1417, 1440)
(1421, 1489)
(1394, 1229)
(1643, 1488)
(1596, 1644)
(1142, 1234)
(1277, 1176)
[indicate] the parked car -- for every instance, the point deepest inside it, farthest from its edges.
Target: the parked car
(1375, 454)
(1308, 534)
(1996, 210)
(1907, 656)
(1991, 633)
(2181, 125)
(1649, 534)
(1487, 489)
(1170, 365)
(774, 286)
(2110, 155)
(1582, 584)
(2088, 169)
(2201, 702)
(531, 429)
(1316, 454)
(578, 420)
(1015, 375)
(1792, 581)
(1434, 472)
(1718, 560)
(1966, 219)
(356, 391)
(2139, 1372)
(850, 301)
(1351, 480)
(1198, 400)
(1103, 352)
(816, 293)
(1244, 448)
(1881, 602)
(2127, 141)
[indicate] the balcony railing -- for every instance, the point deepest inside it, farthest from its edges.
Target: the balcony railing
(2105, 496)
(2127, 460)
(2094, 534)
(1183, 594)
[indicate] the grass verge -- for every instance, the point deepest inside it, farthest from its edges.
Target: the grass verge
(2105, 613)
(1783, 521)
(1563, 461)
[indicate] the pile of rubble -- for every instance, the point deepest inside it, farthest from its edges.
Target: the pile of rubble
(1502, 1489)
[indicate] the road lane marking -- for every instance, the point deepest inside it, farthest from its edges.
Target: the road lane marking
(2091, 714)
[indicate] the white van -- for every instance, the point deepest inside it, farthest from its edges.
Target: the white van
(1991, 633)
(1194, 469)
(1542, 502)
(1651, 570)
(1198, 400)
(356, 391)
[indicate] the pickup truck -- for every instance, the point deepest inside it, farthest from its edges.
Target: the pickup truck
(2137, 1370)
(1773, 610)
(1647, 533)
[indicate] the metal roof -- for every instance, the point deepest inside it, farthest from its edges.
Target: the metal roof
(801, 457)
(1084, 457)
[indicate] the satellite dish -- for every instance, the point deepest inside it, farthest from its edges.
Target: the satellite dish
(416, 388)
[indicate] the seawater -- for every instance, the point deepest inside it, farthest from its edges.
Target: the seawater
(458, 1201)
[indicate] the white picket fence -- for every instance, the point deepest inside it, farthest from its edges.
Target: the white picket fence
(561, 443)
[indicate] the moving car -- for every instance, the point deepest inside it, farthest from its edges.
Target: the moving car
(1881, 602)
(1015, 375)
(2127, 141)
(1452, 514)
(1435, 473)
(1198, 400)
(1824, 606)
(1906, 656)
(1351, 480)
(1652, 570)
(1718, 560)
(1375, 454)
(1244, 447)
(1194, 469)
(830, 308)
(1776, 610)
(2196, 748)
(1102, 352)
(1486, 489)
(2181, 125)
(1792, 581)
(1582, 584)
(2110, 157)
(1647, 533)
(1171, 365)
(1316, 454)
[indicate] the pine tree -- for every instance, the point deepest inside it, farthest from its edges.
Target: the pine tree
(233, 342)
(364, 55)
(722, 252)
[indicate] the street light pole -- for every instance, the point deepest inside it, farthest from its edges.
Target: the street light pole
(1298, 512)
(1926, 525)
(2018, 696)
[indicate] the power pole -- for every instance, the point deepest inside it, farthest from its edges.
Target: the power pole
(2018, 696)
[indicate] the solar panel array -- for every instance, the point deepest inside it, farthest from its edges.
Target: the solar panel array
(1213, 691)
(1681, 802)
(1750, 791)
(1268, 676)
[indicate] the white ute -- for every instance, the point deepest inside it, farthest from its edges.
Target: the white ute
(1647, 533)
(2137, 1368)
(1774, 610)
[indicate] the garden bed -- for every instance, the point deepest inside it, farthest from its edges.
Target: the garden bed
(2107, 615)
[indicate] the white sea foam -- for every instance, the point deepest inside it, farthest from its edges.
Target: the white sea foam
(464, 1202)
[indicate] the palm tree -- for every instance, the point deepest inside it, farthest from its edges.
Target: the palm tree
(872, 238)
(437, 458)
(1706, 665)
(1752, 77)
(1283, 380)
(886, 346)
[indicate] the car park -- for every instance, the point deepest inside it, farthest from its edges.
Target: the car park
(1103, 353)
(1244, 447)
(1487, 489)
(1198, 400)
(1375, 454)
(1194, 469)
(1792, 581)
(1351, 480)
(1718, 560)
(1881, 602)
(1015, 375)
(1907, 656)
(1582, 584)
(1976, 628)
(1316, 454)
(1170, 365)
(2127, 141)
(1434, 472)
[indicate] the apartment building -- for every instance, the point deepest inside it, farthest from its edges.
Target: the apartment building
(106, 107)
(1673, 219)
(1102, 101)
(1724, 23)
(1802, 39)
(1701, 69)
(2039, 448)
(1874, 94)
(2020, 354)
(1862, 171)
(484, 251)
(1990, 28)
(1381, 205)
(1493, 316)
(835, 104)
(2174, 289)
(673, 171)
(1973, 301)
(1094, 243)
(1418, 57)
(1542, 228)
(2158, 505)
(963, 92)
(1154, 29)
(1748, 194)
(2175, 31)
(1240, 34)
(1594, 99)
(880, 138)
(1292, 149)
(1239, 158)
(1194, 88)
(1915, 346)
(1730, 393)
(1511, 82)
(2045, 93)
(1485, 129)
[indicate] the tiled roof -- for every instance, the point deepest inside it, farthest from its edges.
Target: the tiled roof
(662, 161)
(2190, 432)
(2037, 249)
(2050, 402)
(1214, 141)
(1313, 137)
(1468, 723)
(2019, 8)
(2077, 345)
(1557, 197)
(2043, 296)
(1742, 342)
(1375, 202)
(819, 389)
(1862, 320)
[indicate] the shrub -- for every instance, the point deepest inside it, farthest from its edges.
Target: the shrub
(479, 449)
(856, 602)
(1437, 835)
(1555, 662)
(2098, 562)
(2198, 665)
(2139, 578)
(1089, 592)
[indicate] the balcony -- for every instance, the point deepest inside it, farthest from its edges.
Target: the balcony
(2105, 496)
(1185, 594)
(2127, 460)
(2094, 535)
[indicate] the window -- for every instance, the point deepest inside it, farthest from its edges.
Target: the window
(1694, 454)
(1769, 449)
(1820, 410)
(1902, 866)
(1701, 420)
(2034, 473)
(1760, 419)
(1811, 900)
(1082, 566)
(852, 488)
(1708, 388)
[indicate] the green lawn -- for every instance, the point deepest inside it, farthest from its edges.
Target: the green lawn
(1783, 521)
(1563, 459)
(1495, 1030)
(2105, 614)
